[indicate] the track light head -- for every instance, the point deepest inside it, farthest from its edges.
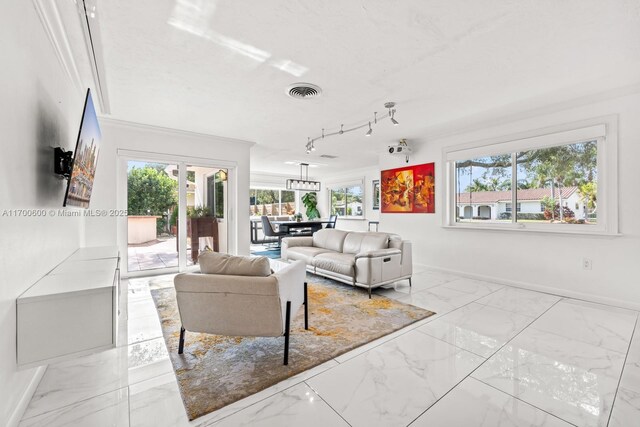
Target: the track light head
(393, 120)
(370, 131)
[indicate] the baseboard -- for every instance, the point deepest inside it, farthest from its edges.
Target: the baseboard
(541, 288)
(18, 412)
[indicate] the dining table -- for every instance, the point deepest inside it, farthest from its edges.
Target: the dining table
(300, 227)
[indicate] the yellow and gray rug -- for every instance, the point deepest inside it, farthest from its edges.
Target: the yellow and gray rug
(215, 371)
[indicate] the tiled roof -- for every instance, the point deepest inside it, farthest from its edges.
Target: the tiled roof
(505, 196)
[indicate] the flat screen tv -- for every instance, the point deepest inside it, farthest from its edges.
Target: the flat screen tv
(83, 169)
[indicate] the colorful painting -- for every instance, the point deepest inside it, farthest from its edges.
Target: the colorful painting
(410, 189)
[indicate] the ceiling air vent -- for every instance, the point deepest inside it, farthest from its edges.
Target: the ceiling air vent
(328, 156)
(303, 91)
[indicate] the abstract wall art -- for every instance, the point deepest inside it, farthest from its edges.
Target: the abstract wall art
(410, 189)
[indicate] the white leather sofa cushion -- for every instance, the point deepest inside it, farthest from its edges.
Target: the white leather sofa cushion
(305, 253)
(330, 238)
(364, 242)
(335, 262)
(217, 263)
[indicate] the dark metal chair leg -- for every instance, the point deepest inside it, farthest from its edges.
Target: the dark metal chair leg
(181, 345)
(306, 308)
(287, 323)
(369, 292)
(409, 281)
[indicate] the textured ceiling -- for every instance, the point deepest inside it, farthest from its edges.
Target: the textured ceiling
(221, 67)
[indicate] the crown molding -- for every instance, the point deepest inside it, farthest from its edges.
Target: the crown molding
(54, 27)
(170, 131)
(56, 33)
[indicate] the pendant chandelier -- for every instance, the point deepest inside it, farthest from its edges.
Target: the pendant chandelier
(303, 183)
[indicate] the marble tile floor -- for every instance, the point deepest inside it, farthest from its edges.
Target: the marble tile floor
(494, 355)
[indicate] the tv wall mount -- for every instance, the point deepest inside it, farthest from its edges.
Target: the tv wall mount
(63, 162)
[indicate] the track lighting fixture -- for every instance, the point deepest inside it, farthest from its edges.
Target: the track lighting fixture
(390, 106)
(393, 120)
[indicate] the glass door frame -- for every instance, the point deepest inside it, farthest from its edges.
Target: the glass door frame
(182, 162)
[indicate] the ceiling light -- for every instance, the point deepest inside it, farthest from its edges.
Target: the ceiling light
(393, 120)
(303, 183)
(388, 105)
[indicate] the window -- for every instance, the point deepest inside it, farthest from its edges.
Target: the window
(347, 201)
(483, 185)
(215, 192)
(555, 185)
(271, 202)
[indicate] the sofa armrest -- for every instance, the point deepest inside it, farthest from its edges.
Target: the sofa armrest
(378, 253)
(291, 242)
(298, 241)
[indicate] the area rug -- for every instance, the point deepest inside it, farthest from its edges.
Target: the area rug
(272, 253)
(215, 371)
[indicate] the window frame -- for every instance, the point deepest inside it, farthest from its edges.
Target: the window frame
(563, 134)
(280, 203)
(344, 186)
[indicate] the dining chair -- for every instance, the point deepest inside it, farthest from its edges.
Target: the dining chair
(268, 230)
(332, 221)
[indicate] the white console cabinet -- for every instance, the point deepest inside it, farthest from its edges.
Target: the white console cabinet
(71, 311)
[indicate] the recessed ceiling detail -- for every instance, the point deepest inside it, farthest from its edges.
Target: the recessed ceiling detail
(303, 91)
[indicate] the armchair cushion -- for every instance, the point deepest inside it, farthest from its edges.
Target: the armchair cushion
(225, 264)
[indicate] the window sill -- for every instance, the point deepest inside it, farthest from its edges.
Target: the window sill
(592, 233)
(352, 218)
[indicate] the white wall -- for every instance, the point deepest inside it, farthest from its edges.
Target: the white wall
(368, 175)
(540, 260)
(40, 109)
(129, 136)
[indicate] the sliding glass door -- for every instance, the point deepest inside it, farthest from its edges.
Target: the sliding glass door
(176, 211)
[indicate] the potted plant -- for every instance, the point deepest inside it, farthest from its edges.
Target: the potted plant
(298, 217)
(310, 202)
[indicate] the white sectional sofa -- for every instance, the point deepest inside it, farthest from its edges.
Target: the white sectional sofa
(366, 259)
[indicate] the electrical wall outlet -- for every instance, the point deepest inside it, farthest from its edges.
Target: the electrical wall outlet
(586, 264)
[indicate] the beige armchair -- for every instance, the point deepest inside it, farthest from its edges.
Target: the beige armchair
(240, 296)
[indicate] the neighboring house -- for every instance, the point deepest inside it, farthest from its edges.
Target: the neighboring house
(490, 204)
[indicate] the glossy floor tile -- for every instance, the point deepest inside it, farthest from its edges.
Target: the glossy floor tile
(473, 403)
(395, 382)
(477, 328)
(72, 381)
(493, 355)
(626, 410)
(298, 405)
(520, 301)
(570, 379)
(143, 328)
(476, 287)
(109, 409)
(440, 299)
(595, 324)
